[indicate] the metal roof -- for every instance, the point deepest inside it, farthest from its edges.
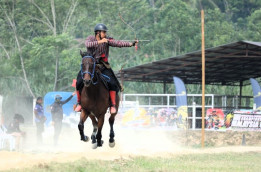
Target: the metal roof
(227, 64)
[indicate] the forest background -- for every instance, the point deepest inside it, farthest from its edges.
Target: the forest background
(40, 40)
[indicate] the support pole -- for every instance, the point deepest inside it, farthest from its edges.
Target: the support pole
(203, 79)
(164, 92)
(164, 87)
(240, 93)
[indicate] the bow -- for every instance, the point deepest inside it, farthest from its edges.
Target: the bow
(136, 44)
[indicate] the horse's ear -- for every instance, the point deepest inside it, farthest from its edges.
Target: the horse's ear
(81, 53)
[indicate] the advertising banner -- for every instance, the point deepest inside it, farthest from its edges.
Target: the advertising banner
(246, 121)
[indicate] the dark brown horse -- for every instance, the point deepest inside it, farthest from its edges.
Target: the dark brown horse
(95, 102)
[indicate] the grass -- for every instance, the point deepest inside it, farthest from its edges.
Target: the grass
(237, 162)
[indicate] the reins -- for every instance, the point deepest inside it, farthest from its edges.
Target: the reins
(92, 74)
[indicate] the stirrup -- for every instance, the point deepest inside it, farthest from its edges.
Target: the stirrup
(113, 106)
(78, 107)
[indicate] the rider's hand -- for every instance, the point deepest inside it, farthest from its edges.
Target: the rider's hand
(73, 93)
(104, 40)
(135, 42)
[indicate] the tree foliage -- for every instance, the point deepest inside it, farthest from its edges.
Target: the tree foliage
(40, 40)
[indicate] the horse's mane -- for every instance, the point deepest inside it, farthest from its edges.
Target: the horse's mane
(85, 53)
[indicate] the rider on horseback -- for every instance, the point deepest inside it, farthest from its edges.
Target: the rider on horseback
(98, 47)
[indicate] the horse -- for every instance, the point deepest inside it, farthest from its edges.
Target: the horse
(95, 102)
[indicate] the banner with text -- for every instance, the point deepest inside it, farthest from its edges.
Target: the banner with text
(246, 121)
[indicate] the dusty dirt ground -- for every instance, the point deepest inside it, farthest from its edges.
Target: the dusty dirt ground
(130, 142)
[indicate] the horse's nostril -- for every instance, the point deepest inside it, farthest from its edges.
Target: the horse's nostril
(86, 82)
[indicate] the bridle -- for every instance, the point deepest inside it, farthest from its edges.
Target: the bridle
(92, 74)
(93, 70)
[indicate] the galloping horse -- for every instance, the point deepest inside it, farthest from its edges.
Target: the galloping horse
(95, 102)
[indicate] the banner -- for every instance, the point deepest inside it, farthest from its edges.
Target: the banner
(256, 93)
(1, 102)
(247, 121)
(181, 100)
(1, 112)
(215, 119)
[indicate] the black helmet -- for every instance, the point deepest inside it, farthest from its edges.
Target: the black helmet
(100, 27)
(58, 97)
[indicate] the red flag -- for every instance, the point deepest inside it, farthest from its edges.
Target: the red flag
(74, 83)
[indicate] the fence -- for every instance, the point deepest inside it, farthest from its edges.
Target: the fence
(156, 101)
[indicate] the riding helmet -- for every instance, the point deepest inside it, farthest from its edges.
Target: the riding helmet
(58, 97)
(100, 27)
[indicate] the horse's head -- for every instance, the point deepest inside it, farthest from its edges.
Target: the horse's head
(88, 69)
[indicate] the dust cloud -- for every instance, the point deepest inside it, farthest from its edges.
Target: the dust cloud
(130, 142)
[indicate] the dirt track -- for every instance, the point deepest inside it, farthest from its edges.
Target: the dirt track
(129, 143)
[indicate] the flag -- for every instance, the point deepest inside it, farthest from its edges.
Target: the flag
(180, 92)
(256, 93)
(181, 99)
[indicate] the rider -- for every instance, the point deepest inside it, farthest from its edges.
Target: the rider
(98, 47)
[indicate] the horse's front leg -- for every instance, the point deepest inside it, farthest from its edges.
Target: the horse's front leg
(99, 135)
(94, 132)
(83, 117)
(111, 122)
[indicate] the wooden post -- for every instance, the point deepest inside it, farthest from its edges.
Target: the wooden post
(203, 79)
(122, 80)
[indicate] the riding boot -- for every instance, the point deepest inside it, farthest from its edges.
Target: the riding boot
(113, 109)
(78, 107)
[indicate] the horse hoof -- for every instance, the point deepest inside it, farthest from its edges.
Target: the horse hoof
(94, 146)
(100, 144)
(112, 144)
(85, 139)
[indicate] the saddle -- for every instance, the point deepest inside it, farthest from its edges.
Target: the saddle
(105, 65)
(100, 66)
(100, 76)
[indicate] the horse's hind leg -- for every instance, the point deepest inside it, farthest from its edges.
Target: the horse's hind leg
(83, 117)
(111, 140)
(111, 122)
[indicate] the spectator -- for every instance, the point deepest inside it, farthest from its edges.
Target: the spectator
(57, 115)
(14, 129)
(39, 119)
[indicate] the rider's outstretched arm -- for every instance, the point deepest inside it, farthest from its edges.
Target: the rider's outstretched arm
(118, 43)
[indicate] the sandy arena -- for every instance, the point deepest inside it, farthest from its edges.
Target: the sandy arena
(130, 142)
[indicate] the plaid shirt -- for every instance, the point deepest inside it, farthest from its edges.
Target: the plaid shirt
(102, 50)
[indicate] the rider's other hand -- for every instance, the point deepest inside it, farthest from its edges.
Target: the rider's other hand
(104, 40)
(73, 93)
